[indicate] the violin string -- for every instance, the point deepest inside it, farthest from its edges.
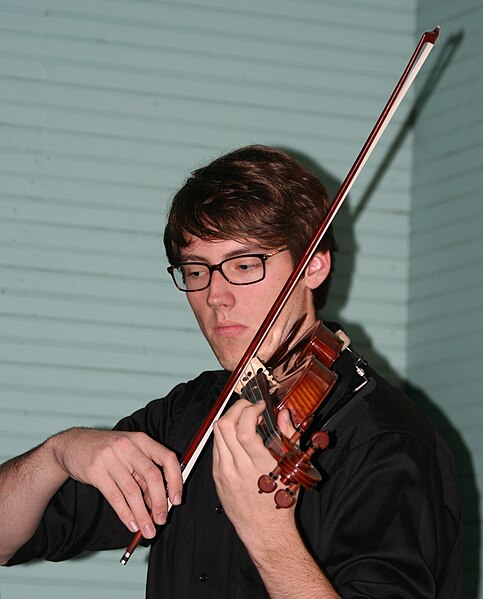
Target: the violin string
(267, 426)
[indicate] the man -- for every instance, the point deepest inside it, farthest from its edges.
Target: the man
(386, 521)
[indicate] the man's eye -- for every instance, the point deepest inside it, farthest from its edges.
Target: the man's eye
(247, 265)
(192, 273)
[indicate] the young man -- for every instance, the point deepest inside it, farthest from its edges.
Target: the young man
(386, 521)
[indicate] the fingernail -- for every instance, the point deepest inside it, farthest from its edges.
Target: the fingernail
(161, 518)
(149, 531)
(177, 499)
(133, 527)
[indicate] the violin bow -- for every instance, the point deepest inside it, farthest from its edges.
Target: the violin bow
(419, 56)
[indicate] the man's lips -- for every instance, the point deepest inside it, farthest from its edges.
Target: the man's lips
(230, 329)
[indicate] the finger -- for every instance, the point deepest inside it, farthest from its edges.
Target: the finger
(124, 495)
(159, 468)
(135, 496)
(234, 411)
(284, 421)
(131, 456)
(238, 433)
(246, 427)
(141, 482)
(154, 487)
(144, 488)
(225, 427)
(221, 452)
(217, 463)
(172, 479)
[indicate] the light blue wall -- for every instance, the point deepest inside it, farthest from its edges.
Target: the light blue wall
(105, 107)
(445, 346)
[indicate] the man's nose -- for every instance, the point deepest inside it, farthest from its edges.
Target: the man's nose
(220, 291)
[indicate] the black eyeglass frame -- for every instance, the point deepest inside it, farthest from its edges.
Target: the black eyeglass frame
(218, 267)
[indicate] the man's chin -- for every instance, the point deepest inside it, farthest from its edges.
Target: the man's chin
(229, 360)
(229, 364)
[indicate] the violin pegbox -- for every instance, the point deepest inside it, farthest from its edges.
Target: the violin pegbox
(294, 469)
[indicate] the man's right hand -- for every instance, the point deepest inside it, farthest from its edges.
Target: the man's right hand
(129, 468)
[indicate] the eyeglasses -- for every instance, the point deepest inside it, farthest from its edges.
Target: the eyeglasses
(240, 270)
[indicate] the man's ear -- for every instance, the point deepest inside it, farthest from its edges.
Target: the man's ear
(317, 270)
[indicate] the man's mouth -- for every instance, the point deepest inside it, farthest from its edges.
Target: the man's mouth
(230, 329)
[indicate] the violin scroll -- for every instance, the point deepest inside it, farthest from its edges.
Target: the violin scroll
(294, 469)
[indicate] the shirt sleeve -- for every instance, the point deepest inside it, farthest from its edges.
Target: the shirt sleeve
(391, 521)
(78, 518)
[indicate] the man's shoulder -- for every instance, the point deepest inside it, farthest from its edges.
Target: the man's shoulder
(386, 410)
(379, 407)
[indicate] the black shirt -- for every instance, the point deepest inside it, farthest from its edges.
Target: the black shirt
(385, 523)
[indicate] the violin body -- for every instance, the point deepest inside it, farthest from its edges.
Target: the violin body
(304, 376)
(300, 380)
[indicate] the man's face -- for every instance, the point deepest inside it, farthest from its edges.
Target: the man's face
(230, 315)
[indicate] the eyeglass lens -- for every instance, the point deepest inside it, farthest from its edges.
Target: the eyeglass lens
(241, 270)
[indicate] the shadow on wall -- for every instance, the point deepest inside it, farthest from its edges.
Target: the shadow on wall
(344, 228)
(345, 220)
(444, 58)
(467, 481)
(345, 260)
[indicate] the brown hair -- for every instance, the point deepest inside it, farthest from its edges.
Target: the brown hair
(256, 192)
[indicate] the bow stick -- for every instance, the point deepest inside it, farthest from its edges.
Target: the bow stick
(419, 56)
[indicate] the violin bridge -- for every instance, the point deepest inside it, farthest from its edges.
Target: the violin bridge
(254, 367)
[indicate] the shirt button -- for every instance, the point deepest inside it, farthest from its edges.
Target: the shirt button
(219, 509)
(203, 577)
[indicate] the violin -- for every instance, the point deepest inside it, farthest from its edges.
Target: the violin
(298, 376)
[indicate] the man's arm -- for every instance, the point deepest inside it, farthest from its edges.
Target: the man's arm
(270, 535)
(27, 484)
(124, 466)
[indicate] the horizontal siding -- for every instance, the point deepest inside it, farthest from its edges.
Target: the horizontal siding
(445, 333)
(81, 578)
(105, 107)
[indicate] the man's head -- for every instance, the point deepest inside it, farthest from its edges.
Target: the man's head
(256, 192)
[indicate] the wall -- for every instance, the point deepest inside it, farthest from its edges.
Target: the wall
(445, 348)
(106, 106)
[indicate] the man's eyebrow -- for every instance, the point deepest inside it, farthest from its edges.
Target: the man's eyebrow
(248, 249)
